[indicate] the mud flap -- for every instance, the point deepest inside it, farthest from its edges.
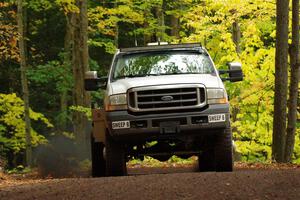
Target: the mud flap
(99, 125)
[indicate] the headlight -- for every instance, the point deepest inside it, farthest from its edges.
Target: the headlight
(116, 102)
(216, 96)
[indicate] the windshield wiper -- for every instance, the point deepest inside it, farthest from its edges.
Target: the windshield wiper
(179, 73)
(135, 75)
(164, 74)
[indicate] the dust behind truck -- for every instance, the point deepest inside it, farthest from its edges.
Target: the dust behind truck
(160, 101)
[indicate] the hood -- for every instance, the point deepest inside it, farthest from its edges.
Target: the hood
(122, 85)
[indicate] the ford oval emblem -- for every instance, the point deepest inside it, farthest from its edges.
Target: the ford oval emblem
(167, 98)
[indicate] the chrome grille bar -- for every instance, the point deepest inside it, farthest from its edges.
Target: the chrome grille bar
(164, 102)
(153, 95)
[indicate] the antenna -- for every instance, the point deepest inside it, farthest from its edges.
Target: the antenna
(135, 40)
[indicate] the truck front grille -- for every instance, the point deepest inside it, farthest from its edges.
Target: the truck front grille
(167, 97)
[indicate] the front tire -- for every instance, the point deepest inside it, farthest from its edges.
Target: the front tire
(206, 160)
(98, 161)
(115, 158)
(223, 151)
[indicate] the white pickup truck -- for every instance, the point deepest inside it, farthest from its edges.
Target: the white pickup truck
(161, 101)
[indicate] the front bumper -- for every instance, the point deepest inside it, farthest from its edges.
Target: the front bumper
(149, 126)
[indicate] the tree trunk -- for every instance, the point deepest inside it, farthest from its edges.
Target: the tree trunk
(24, 82)
(294, 81)
(117, 29)
(281, 77)
(175, 26)
(161, 21)
(147, 36)
(68, 44)
(236, 36)
(80, 66)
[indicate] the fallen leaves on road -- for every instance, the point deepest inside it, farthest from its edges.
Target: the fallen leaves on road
(19, 179)
(34, 177)
(265, 166)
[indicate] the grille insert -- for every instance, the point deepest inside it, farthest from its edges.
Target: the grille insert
(168, 98)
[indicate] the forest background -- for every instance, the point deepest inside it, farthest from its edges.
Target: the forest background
(231, 30)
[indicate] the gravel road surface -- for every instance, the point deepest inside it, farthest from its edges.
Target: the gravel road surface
(178, 183)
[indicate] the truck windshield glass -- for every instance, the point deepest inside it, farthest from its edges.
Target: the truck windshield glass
(156, 64)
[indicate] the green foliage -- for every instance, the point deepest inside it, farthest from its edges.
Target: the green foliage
(177, 160)
(86, 111)
(151, 162)
(39, 5)
(20, 169)
(252, 100)
(68, 6)
(107, 44)
(296, 155)
(104, 22)
(55, 72)
(12, 125)
(140, 15)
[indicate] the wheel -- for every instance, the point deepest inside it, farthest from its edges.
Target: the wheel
(223, 151)
(115, 158)
(98, 161)
(206, 160)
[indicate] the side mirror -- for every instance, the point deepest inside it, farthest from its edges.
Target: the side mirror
(234, 72)
(92, 82)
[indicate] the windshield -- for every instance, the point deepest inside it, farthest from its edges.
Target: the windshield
(166, 63)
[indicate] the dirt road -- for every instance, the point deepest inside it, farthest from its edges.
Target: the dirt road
(172, 183)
